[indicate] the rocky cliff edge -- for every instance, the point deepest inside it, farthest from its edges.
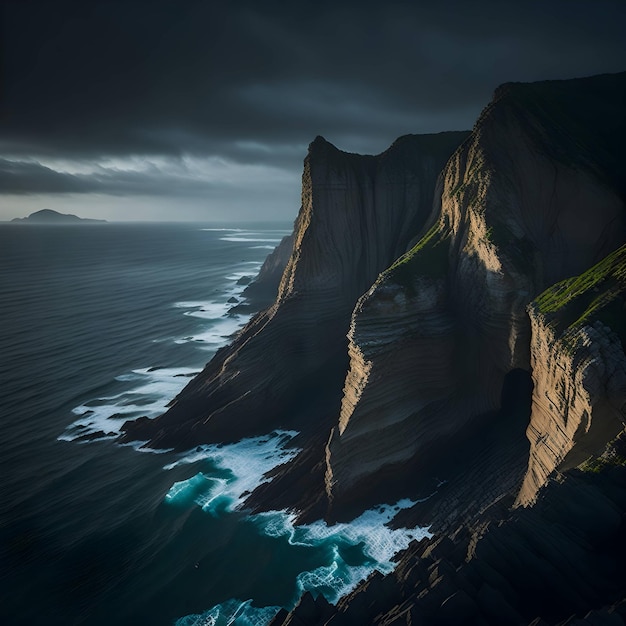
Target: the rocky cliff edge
(286, 367)
(531, 198)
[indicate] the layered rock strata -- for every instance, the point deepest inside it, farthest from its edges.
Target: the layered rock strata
(285, 369)
(531, 198)
(579, 369)
(447, 365)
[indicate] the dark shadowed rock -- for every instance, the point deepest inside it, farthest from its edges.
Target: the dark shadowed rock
(263, 290)
(459, 608)
(433, 341)
(287, 367)
(478, 304)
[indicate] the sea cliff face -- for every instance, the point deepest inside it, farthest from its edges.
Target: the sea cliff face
(285, 369)
(432, 342)
(579, 369)
(480, 280)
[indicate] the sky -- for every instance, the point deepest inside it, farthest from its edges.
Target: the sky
(203, 110)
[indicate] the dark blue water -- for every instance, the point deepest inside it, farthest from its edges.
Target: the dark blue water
(103, 323)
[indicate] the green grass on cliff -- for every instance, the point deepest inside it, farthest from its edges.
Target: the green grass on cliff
(597, 294)
(614, 455)
(429, 257)
(596, 464)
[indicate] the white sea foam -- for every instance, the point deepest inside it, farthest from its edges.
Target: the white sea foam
(217, 310)
(241, 469)
(206, 309)
(218, 334)
(252, 239)
(154, 389)
(231, 613)
(354, 549)
(238, 275)
(372, 543)
(232, 230)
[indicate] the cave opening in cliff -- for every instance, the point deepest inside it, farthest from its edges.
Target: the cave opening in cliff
(516, 394)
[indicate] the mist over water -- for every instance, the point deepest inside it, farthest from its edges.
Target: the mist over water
(107, 323)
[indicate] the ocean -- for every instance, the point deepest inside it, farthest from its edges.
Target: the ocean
(104, 323)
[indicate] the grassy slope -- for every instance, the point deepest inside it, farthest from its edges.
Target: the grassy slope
(597, 294)
(429, 257)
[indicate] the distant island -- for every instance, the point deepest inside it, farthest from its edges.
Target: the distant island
(48, 216)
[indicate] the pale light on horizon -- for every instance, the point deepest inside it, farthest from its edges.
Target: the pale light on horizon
(162, 188)
(147, 208)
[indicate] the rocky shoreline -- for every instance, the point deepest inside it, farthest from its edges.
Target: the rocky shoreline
(450, 325)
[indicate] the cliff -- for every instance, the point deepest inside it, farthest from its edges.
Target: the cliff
(579, 369)
(480, 282)
(508, 312)
(286, 368)
(532, 197)
(564, 552)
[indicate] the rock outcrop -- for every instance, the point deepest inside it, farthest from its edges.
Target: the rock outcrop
(579, 369)
(531, 198)
(286, 368)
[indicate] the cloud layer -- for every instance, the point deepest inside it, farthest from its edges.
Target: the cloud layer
(249, 84)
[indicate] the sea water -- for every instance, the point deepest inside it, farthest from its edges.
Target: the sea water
(105, 323)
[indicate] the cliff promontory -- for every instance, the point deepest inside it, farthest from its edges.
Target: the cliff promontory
(286, 367)
(450, 326)
(532, 197)
(579, 369)
(262, 291)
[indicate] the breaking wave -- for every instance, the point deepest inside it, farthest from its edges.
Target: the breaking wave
(147, 391)
(350, 551)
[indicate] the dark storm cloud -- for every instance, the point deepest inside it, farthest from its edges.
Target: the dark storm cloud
(169, 177)
(19, 177)
(252, 81)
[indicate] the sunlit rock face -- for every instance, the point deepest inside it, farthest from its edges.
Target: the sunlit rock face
(533, 196)
(579, 369)
(286, 367)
